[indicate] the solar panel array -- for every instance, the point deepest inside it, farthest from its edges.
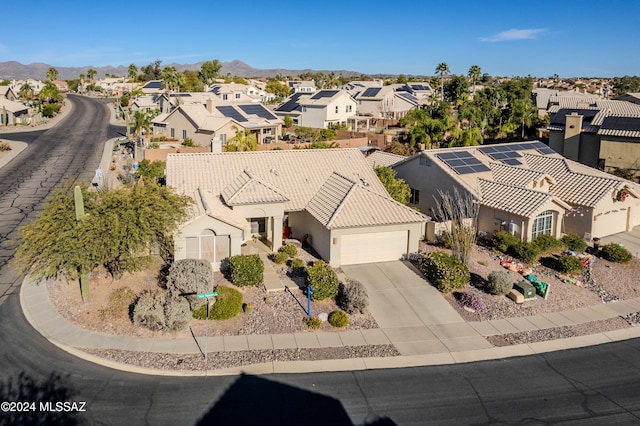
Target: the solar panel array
(371, 92)
(153, 85)
(462, 162)
(231, 112)
(324, 94)
(420, 87)
(409, 96)
(291, 105)
(621, 123)
(258, 110)
(560, 117)
(509, 153)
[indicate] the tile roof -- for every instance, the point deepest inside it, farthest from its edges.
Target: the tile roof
(12, 106)
(517, 176)
(514, 199)
(337, 186)
(212, 205)
(383, 159)
(247, 189)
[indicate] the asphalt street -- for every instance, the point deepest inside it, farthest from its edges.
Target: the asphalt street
(595, 385)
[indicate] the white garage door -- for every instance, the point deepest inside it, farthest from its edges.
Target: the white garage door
(373, 247)
(611, 223)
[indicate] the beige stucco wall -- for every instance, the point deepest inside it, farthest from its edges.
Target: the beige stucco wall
(619, 152)
(302, 223)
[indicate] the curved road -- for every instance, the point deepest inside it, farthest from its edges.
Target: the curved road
(594, 385)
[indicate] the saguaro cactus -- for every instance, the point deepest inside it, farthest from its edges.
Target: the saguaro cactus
(84, 275)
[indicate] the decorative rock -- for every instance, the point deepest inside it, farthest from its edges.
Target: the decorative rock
(323, 316)
(516, 296)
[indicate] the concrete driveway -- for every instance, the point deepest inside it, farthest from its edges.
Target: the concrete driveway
(630, 240)
(412, 313)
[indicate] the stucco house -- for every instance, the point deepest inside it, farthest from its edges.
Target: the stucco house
(331, 195)
(524, 188)
(212, 120)
(385, 102)
(12, 113)
(319, 110)
(604, 134)
(6, 92)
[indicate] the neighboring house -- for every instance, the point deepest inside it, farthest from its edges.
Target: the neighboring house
(385, 102)
(629, 97)
(306, 86)
(145, 103)
(238, 93)
(524, 188)
(319, 110)
(36, 85)
(604, 135)
(330, 195)
(546, 99)
(153, 87)
(422, 91)
(214, 122)
(12, 113)
(379, 158)
(6, 92)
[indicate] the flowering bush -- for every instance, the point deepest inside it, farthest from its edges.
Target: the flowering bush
(473, 301)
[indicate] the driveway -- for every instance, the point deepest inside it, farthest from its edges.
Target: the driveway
(630, 240)
(412, 313)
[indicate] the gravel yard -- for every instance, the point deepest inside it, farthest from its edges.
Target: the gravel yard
(283, 312)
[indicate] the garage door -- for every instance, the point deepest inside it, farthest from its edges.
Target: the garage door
(610, 223)
(373, 247)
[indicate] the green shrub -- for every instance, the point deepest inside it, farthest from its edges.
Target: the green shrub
(444, 271)
(313, 323)
(499, 283)
(527, 252)
(49, 110)
(153, 145)
(296, 264)
(159, 311)
(323, 279)
(246, 270)
(5, 146)
(289, 249)
(120, 300)
(616, 253)
(574, 242)
(338, 319)
(546, 242)
(280, 258)
(352, 297)
(228, 305)
(569, 264)
(188, 142)
(502, 241)
(190, 277)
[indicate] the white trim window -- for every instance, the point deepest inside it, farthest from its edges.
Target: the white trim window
(542, 224)
(208, 246)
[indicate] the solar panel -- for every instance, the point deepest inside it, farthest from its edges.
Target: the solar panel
(371, 92)
(231, 112)
(153, 85)
(409, 96)
(512, 161)
(324, 94)
(419, 87)
(560, 117)
(621, 123)
(291, 104)
(462, 162)
(258, 110)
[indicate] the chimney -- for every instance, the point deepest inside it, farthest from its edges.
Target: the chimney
(572, 129)
(209, 105)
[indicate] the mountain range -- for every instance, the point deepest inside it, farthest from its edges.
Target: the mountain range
(15, 70)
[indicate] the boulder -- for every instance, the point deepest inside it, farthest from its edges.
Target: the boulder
(516, 296)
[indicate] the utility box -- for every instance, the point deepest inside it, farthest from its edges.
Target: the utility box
(527, 290)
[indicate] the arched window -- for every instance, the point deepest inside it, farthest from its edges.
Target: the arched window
(542, 224)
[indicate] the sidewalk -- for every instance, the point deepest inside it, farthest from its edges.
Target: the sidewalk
(43, 317)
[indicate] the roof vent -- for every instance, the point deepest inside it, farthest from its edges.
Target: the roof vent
(364, 182)
(274, 172)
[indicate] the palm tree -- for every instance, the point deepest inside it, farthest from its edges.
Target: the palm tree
(52, 74)
(474, 74)
(140, 122)
(442, 69)
(133, 71)
(26, 92)
(242, 141)
(91, 73)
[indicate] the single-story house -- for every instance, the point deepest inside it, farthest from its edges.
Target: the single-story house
(330, 195)
(12, 113)
(525, 188)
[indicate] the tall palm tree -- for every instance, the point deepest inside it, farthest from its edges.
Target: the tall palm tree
(242, 141)
(52, 74)
(91, 73)
(474, 74)
(26, 92)
(140, 122)
(442, 70)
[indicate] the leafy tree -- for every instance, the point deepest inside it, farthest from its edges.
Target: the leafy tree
(132, 71)
(153, 170)
(456, 90)
(242, 141)
(397, 188)
(467, 137)
(50, 93)
(288, 121)
(279, 89)
(209, 71)
(171, 78)
(522, 112)
(327, 134)
(626, 84)
(52, 74)
(442, 70)
(192, 82)
(151, 71)
(402, 79)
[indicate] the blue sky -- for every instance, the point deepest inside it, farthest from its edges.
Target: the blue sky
(505, 38)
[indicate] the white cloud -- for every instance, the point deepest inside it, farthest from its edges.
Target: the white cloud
(516, 34)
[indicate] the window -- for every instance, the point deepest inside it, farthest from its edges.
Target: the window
(337, 109)
(223, 139)
(208, 246)
(542, 224)
(184, 134)
(225, 97)
(415, 196)
(237, 95)
(348, 109)
(173, 132)
(304, 109)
